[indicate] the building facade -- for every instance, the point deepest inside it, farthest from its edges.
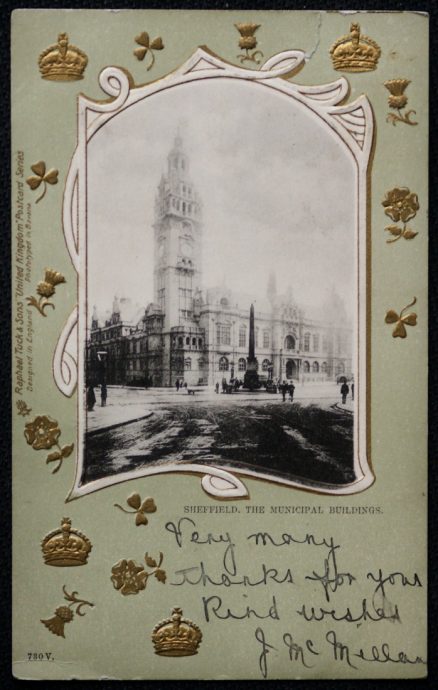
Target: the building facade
(189, 333)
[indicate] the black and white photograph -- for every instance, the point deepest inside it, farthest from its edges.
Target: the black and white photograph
(221, 288)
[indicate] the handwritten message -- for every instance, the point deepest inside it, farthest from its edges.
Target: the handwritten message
(279, 594)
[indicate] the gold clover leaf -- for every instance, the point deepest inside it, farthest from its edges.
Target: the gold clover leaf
(147, 46)
(41, 176)
(400, 320)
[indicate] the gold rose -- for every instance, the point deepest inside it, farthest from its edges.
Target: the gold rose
(42, 177)
(64, 614)
(46, 288)
(130, 578)
(248, 42)
(400, 320)
(398, 100)
(43, 433)
(140, 508)
(401, 205)
(147, 47)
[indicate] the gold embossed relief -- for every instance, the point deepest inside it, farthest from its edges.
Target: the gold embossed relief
(42, 177)
(66, 546)
(45, 290)
(401, 320)
(248, 42)
(355, 52)
(42, 433)
(398, 101)
(176, 636)
(62, 61)
(147, 47)
(128, 577)
(65, 614)
(22, 409)
(140, 508)
(401, 205)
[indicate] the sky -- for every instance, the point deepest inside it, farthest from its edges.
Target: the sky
(277, 188)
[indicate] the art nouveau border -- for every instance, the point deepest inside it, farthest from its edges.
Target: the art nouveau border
(352, 123)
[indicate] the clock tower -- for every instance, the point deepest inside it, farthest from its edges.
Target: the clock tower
(177, 261)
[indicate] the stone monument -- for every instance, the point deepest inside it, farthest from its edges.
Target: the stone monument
(251, 379)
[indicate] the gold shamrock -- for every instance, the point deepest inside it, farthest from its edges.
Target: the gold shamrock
(401, 320)
(42, 177)
(140, 508)
(147, 46)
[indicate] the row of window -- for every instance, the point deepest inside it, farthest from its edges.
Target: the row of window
(193, 342)
(266, 364)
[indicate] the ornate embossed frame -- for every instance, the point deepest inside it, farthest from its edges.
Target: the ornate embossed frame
(351, 123)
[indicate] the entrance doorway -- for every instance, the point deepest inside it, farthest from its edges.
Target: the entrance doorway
(291, 369)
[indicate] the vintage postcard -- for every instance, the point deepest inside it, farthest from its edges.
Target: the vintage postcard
(219, 228)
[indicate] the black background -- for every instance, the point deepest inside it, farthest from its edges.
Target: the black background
(6, 680)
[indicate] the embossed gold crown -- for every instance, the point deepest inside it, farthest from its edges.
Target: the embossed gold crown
(176, 636)
(355, 52)
(65, 546)
(62, 62)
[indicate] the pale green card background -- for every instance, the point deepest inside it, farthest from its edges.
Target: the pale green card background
(113, 639)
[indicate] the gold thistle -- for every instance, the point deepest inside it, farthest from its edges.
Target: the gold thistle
(62, 61)
(147, 47)
(64, 614)
(140, 508)
(42, 177)
(355, 52)
(398, 100)
(22, 408)
(401, 205)
(401, 320)
(65, 546)
(130, 578)
(176, 636)
(248, 42)
(46, 289)
(42, 433)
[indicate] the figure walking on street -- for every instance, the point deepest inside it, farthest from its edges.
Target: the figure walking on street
(284, 390)
(177, 385)
(344, 392)
(103, 394)
(91, 398)
(352, 390)
(291, 391)
(217, 387)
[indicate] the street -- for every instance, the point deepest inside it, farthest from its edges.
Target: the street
(309, 438)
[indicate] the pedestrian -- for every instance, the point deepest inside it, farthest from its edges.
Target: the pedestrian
(177, 385)
(103, 394)
(185, 384)
(224, 385)
(91, 398)
(352, 390)
(344, 392)
(291, 391)
(283, 389)
(217, 387)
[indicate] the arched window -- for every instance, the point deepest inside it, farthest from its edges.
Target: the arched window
(187, 341)
(315, 342)
(194, 342)
(183, 206)
(306, 342)
(306, 367)
(180, 342)
(223, 364)
(242, 364)
(315, 367)
(324, 367)
(188, 364)
(242, 336)
(200, 342)
(289, 342)
(266, 364)
(266, 338)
